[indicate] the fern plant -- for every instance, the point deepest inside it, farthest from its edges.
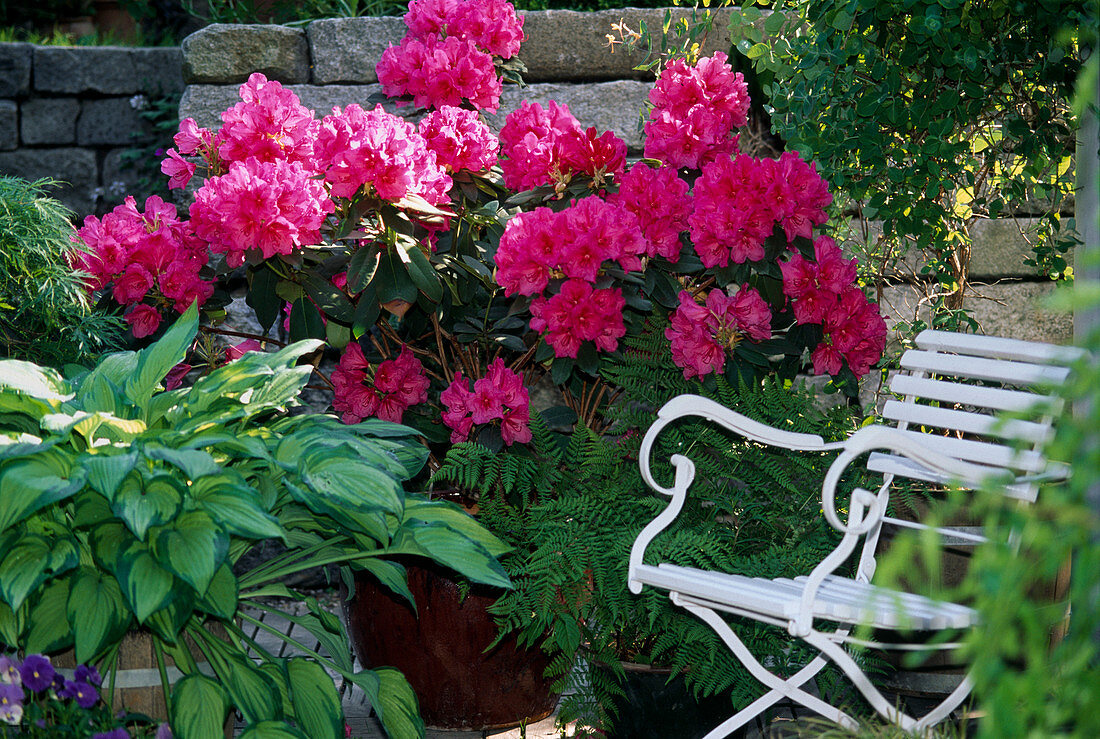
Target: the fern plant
(45, 314)
(571, 506)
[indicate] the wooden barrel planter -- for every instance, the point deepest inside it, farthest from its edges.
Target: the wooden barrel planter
(441, 651)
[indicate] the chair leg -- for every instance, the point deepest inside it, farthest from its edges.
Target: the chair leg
(949, 704)
(779, 688)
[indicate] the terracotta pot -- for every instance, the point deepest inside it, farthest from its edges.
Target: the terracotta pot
(441, 653)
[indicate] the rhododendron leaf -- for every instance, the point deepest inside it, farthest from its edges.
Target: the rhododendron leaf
(508, 341)
(423, 275)
(559, 417)
(392, 282)
(198, 707)
(561, 369)
(361, 268)
(48, 627)
(329, 299)
(262, 297)
(317, 708)
(588, 359)
(306, 321)
(366, 312)
(96, 611)
(543, 352)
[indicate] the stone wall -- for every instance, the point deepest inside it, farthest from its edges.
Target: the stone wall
(69, 113)
(332, 62)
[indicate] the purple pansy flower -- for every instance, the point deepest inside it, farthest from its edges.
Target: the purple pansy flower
(118, 733)
(83, 693)
(37, 672)
(9, 670)
(87, 674)
(11, 703)
(164, 731)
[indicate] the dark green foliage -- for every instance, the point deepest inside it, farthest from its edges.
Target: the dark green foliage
(928, 115)
(45, 313)
(753, 510)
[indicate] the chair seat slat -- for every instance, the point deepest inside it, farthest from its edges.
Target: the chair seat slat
(967, 422)
(997, 370)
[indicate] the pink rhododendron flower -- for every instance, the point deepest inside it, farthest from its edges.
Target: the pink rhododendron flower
(499, 395)
(386, 393)
(459, 139)
(701, 335)
(269, 124)
(275, 207)
(576, 314)
(593, 231)
(179, 170)
(544, 147)
(527, 250)
(695, 110)
(659, 199)
(437, 72)
(236, 351)
(143, 319)
(492, 25)
(381, 151)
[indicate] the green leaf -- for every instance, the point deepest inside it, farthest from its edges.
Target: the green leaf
(361, 268)
(561, 369)
(199, 706)
(32, 483)
(237, 509)
(253, 693)
(345, 480)
(272, 730)
(31, 560)
(451, 549)
(317, 708)
(192, 548)
(331, 300)
(306, 321)
(153, 502)
(390, 574)
(192, 462)
(393, 699)
(167, 622)
(423, 275)
(451, 515)
(392, 282)
(154, 362)
(146, 585)
(262, 296)
(757, 50)
(220, 598)
(366, 312)
(97, 613)
(11, 624)
(107, 470)
(43, 383)
(48, 627)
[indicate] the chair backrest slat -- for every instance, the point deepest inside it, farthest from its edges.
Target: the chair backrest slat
(993, 398)
(996, 347)
(967, 422)
(981, 368)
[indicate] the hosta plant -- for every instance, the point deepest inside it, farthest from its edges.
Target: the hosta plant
(124, 506)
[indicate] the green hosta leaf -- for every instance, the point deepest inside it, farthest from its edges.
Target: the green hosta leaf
(272, 730)
(106, 471)
(11, 402)
(390, 574)
(154, 361)
(237, 509)
(192, 547)
(97, 613)
(153, 502)
(108, 541)
(31, 560)
(253, 693)
(146, 585)
(280, 390)
(451, 549)
(276, 670)
(42, 383)
(451, 515)
(393, 699)
(220, 598)
(369, 522)
(198, 707)
(48, 627)
(317, 709)
(32, 483)
(167, 622)
(11, 624)
(192, 462)
(344, 480)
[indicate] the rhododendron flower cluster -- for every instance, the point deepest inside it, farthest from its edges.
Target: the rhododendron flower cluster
(145, 256)
(739, 201)
(275, 207)
(499, 396)
(576, 244)
(662, 204)
(357, 147)
(459, 139)
(269, 124)
(447, 55)
(702, 334)
(549, 147)
(695, 110)
(394, 385)
(824, 292)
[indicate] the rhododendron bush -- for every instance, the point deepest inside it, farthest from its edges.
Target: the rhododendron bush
(450, 268)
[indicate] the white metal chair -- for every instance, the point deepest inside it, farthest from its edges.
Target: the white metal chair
(946, 430)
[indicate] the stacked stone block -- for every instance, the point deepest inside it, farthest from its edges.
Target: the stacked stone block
(69, 112)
